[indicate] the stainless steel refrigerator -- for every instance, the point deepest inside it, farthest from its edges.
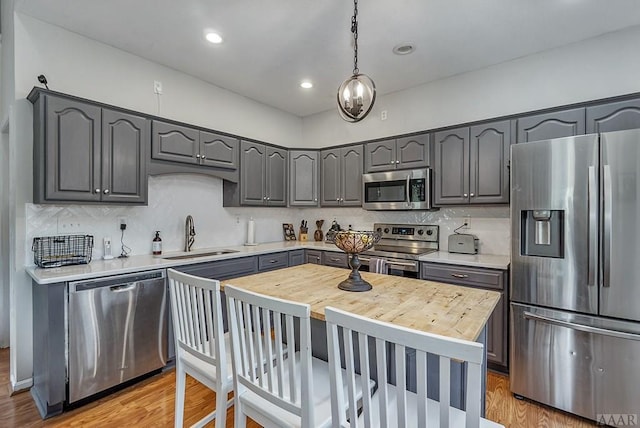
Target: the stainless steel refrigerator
(575, 273)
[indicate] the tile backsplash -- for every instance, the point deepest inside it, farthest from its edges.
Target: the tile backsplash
(173, 197)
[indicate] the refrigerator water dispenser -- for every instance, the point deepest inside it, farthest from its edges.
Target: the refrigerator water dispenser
(542, 233)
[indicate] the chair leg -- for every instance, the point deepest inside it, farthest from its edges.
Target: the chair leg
(221, 408)
(240, 419)
(181, 379)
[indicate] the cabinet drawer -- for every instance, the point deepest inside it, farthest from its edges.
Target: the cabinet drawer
(331, 258)
(223, 269)
(463, 275)
(273, 261)
(313, 256)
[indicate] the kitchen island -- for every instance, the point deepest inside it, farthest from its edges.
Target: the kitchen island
(433, 307)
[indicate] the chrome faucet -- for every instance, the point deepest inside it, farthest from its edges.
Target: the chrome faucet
(189, 234)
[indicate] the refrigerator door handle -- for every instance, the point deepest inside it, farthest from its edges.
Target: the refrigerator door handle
(606, 266)
(581, 327)
(593, 228)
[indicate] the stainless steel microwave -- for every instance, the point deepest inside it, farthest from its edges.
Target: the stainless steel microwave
(397, 190)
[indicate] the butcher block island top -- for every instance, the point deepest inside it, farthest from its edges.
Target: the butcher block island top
(434, 307)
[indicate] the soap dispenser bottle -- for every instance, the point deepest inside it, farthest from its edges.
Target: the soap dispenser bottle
(156, 245)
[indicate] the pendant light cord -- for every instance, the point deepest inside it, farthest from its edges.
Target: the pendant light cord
(354, 30)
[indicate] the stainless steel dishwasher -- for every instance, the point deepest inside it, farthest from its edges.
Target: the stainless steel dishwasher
(117, 331)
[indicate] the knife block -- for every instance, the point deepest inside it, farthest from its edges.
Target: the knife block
(303, 236)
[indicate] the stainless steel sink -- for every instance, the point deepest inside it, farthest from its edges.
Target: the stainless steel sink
(195, 255)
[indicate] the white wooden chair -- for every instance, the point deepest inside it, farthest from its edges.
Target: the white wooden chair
(202, 347)
(294, 390)
(394, 406)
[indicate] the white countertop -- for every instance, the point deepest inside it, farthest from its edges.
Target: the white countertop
(117, 266)
(490, 261)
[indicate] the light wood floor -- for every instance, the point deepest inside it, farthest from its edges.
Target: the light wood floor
(150, 404)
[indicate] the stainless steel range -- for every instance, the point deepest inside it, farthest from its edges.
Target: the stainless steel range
(401, 245)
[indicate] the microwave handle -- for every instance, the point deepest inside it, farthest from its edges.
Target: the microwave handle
(408, 190)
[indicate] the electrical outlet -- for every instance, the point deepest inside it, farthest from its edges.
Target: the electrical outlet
(157, 87)
(237, 219)
(383, 115)
(69, 227)
(467, 222)
(122, 221)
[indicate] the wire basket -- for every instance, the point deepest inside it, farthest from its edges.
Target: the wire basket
(55, 251)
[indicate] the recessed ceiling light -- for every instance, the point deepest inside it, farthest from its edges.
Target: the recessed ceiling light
(306, 85)
(403, 49)
(213, 37)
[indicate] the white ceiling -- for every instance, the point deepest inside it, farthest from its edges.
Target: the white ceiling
(270, 46)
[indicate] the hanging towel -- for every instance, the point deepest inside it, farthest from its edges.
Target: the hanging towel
(377, 265)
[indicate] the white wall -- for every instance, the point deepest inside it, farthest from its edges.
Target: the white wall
(596, 68)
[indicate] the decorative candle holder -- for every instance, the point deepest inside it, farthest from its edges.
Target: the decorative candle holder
(354, 242)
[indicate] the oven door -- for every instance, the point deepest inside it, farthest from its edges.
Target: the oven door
(397, 190)
(397, 267)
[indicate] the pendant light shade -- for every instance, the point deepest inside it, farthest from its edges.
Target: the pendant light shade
(357, 94)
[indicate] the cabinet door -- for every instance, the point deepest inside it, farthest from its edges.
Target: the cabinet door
(451, 167)
(174, 142)
(413, 152)
(351, 176)
(296, 257)
(276, 177)
(313, 256)
(125, 139)
(72, 150)
(218, 151)
(252, 173)
(489, 163)
(330, 164)
(617, 116)
(496, 339)
(566, 123)
(380, 156)
(303, 178)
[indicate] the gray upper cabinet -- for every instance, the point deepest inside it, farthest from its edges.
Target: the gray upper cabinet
(304, 178)
(472, 165)
(489, 163)
(263, 175)
(341, 176)
(85, 153)
(175, 143)
(616, 116)
(451, 167)
(401, 153)
(564, 123)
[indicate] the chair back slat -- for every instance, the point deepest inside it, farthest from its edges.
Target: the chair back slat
(365, 375)
(254, 318)
(445, 390)
(387, 335)
(347, 338)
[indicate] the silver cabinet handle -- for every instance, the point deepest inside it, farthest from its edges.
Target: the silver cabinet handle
(581, 327)
(459, 275)
(471, 194)
(272, 261)
(592, 264)
(607, 227)
(408, 191)
(334, 259)
(106, 191)
(97, 190)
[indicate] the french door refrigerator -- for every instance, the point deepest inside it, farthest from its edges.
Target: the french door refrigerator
(575, 273)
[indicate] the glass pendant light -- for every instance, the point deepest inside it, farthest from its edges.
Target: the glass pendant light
(357, 94)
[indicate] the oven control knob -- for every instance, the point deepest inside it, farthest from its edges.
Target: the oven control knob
(379, 230)
(386, 230)
(429, 232)
(420, 232)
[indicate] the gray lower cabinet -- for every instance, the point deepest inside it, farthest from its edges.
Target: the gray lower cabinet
(223, 269)
(313, 256)
(341, 176)
(471, 165)
(273, 261)
(176, 143)
(492, 279)
(86, 153)
(304, 178)
(263, 175)
(546, 126)
(615, 116)
(401, 153)
(335, 259)
(296, 257)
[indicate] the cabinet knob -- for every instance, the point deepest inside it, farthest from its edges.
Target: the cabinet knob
(397, 162)
(203, 157)
(465, 195)
(264, 198)
(97, 190)
(341, 199)
(471, 194)
(268, 199)
(337, 199)
(198, 156)
(106, 191)
(315, 199)
(392, 162)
